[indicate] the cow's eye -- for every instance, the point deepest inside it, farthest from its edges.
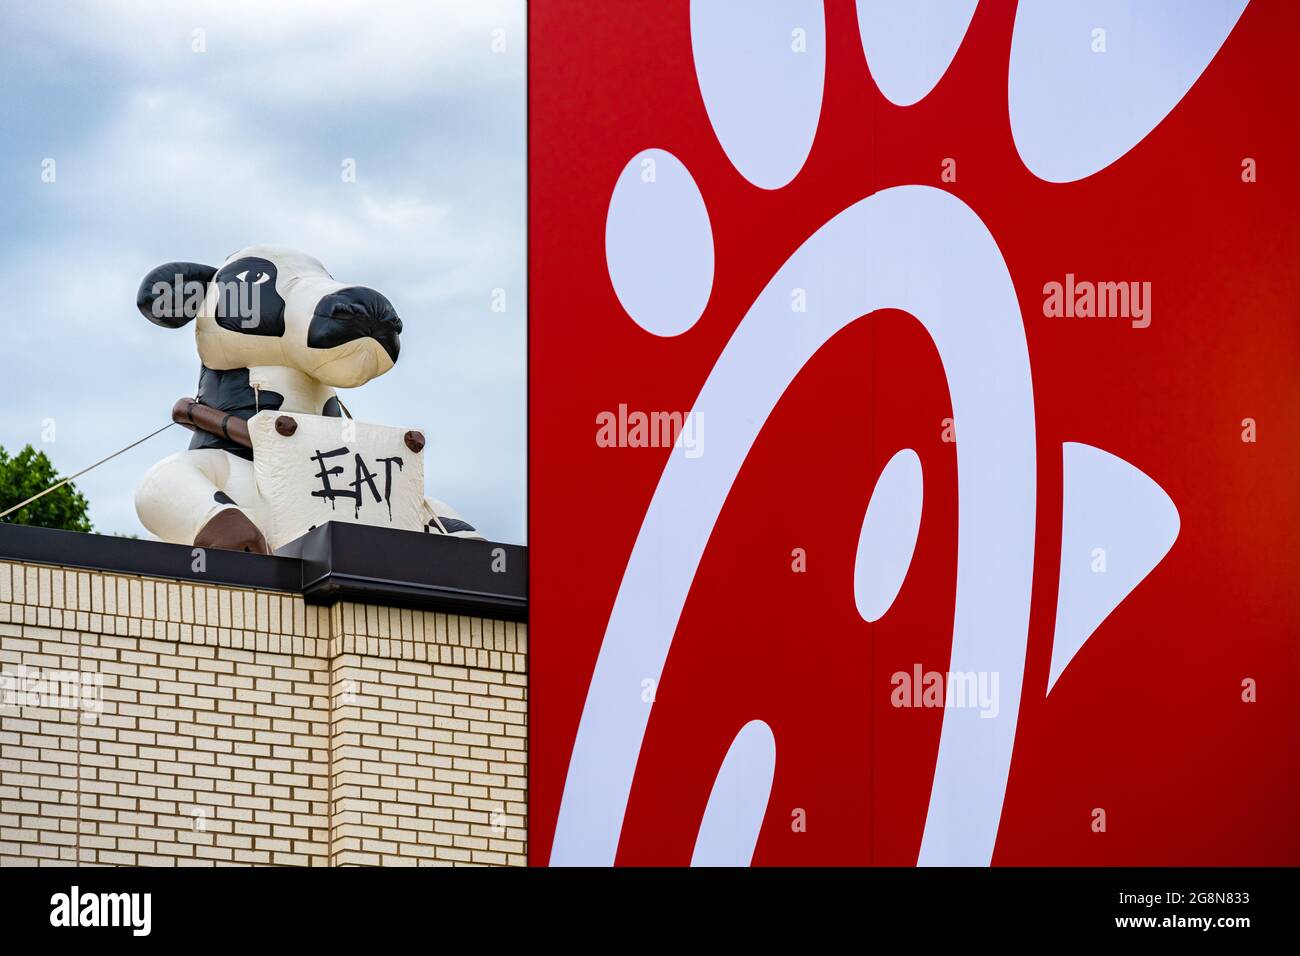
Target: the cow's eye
(262, 277)
(258, 277)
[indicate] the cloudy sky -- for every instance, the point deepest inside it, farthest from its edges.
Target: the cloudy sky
(165, 150)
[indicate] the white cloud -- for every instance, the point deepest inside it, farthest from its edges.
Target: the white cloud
(297, 51)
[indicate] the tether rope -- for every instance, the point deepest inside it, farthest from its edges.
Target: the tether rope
(42, 494)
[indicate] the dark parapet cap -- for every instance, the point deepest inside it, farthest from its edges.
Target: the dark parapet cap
(331, 563)
(356, 562)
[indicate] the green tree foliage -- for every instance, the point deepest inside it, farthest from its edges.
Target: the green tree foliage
(29, 472)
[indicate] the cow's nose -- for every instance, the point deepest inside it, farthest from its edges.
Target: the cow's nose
(355, 313)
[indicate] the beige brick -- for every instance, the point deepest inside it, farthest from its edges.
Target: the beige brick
(219, 744)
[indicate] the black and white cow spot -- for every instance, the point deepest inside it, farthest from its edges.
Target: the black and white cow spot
(247, 300)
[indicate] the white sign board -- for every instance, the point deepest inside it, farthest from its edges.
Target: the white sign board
(334, 469)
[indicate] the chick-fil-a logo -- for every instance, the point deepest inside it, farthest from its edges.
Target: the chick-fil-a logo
(933, 257)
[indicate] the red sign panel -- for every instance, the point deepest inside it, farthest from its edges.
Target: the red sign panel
(914, 402)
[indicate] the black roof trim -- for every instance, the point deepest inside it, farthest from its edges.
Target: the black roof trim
(331, 563)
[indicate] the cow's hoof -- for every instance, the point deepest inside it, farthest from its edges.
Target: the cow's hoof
(230, 529)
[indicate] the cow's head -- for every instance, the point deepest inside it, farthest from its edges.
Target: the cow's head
(266, 305)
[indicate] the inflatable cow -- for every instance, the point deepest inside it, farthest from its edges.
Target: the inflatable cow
(272, 455)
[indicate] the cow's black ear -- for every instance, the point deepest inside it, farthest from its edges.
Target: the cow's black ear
(171, 294)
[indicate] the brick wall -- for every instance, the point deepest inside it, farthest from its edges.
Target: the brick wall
(234, 726)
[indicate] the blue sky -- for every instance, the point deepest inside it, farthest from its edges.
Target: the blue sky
(162, 153)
